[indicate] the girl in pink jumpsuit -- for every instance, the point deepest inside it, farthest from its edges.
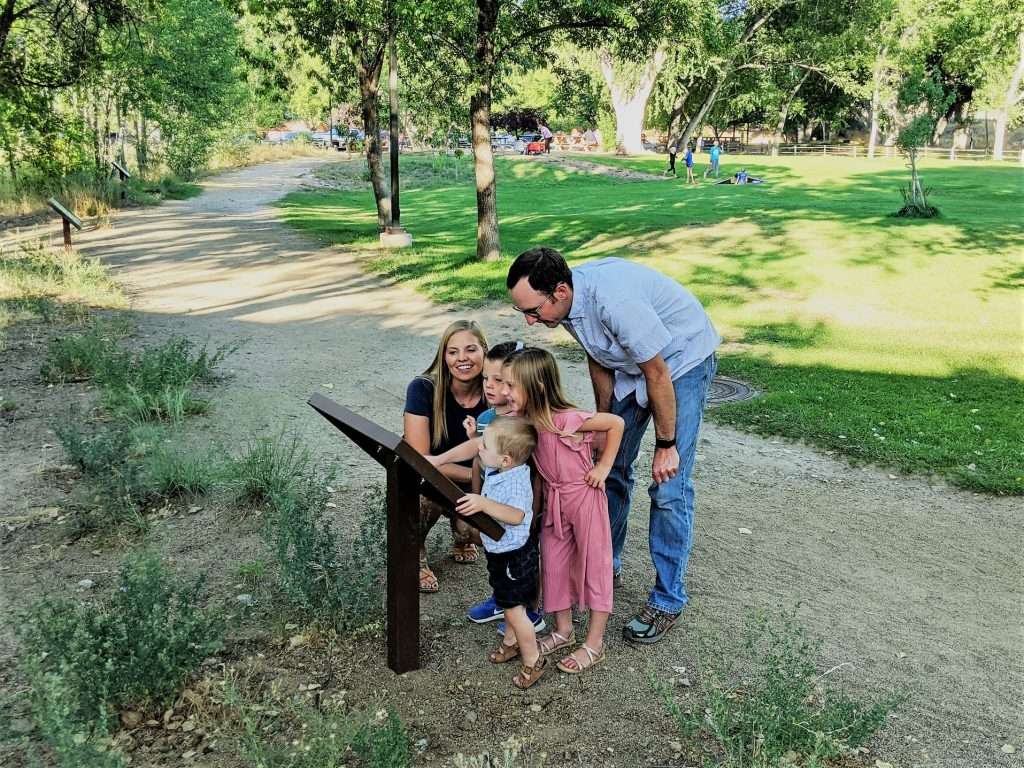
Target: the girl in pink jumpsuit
(575, 538)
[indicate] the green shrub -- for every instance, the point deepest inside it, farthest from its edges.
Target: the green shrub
(269, 467)
(75, 358)
(309, 737)
(252, 572)
(783, 712)
(338, 584)
(156, 383)
(171, 472)
(383, 742)
(134, 649)
(112, 458)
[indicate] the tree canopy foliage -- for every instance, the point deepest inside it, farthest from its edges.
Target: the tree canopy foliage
(81, 82)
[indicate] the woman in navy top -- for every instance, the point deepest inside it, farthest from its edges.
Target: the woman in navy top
(436, 405)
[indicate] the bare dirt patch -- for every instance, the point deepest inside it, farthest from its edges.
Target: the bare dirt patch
(915, 586)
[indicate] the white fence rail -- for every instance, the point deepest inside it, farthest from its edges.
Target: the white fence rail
(856, 150)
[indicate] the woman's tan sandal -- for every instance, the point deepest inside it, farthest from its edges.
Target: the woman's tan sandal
(527, 676)
(574, 666)
(465, 552)
(428, 581)
(555, 642)
(504, 653)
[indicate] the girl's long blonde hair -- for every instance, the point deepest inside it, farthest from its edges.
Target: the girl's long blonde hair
(441, 377)
(536, 371)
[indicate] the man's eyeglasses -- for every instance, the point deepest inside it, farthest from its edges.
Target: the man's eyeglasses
(535, 311)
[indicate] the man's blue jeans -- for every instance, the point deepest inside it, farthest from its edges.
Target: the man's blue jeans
(671, 524)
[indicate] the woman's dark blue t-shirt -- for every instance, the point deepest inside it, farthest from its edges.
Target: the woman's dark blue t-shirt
(419, 401)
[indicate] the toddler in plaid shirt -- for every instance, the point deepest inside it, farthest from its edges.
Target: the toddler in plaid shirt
(512, 561)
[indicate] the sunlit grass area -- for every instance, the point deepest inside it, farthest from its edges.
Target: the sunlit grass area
(890, 340)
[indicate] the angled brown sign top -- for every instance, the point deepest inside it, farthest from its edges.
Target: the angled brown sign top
(382, 445)
(121, 170)
(67, 215)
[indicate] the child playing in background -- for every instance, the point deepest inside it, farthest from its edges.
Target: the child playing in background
(575, 539)
(512, 561)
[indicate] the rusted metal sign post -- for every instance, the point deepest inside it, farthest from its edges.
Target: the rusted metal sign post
(122, 174)
(68, 218)
(409, 476)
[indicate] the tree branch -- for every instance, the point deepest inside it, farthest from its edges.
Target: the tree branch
(593, 23)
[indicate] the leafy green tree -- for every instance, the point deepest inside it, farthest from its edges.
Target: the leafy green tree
(351, 37)
(484, 39)
(923, 95)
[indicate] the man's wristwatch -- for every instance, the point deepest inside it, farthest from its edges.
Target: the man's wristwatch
(660, 442)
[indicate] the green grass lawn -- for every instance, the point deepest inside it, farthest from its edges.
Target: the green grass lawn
(893, 341)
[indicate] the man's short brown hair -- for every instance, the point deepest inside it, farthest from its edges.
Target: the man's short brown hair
(513, 437)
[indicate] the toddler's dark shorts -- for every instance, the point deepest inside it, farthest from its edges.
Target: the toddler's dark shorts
(515, 575)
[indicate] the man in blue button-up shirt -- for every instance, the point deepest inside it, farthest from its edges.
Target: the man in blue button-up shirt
(650, 350)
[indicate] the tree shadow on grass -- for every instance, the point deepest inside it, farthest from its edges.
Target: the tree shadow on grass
(587, 216)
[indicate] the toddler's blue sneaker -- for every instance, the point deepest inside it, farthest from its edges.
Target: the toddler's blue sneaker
(535, 616)
(485, 611)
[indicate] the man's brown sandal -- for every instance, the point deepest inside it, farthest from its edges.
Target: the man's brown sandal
(428, 581)
(504, 653)
(465, 552)
(527, 676)
(555, 642)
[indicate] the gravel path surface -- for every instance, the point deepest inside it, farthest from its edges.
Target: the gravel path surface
(915, 585)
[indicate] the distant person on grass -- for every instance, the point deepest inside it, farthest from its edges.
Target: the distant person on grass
(689, 166)
(673, 150)
(650, 350)
(436, 405)
(714, 154)
(545, 133)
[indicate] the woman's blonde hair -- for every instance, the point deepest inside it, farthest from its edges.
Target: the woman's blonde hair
(536, 371)
(441, 377)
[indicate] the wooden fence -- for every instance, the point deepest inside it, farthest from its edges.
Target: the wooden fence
(856, 150)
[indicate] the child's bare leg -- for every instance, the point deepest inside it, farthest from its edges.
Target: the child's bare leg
(594, 641)
(563, 628)
(595, 630)
(563, 622)
(519, 626)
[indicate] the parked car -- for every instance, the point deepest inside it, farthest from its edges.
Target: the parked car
(327, 139)
(503, 142)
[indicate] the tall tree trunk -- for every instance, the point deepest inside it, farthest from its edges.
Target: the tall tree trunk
(697, 119)
(368, 68)
(1014, 94)
(678, 113)
(142, 145)
(120, 133)
(695, 122)
(780, 127)
(876, 98)
(9, 152)
(916, 195)
(629, 100)
(488, 241)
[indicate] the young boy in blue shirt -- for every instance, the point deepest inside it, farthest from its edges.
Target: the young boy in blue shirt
(513, 562)
(689, 165)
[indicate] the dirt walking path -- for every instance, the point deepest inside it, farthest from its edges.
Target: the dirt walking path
(916, 586)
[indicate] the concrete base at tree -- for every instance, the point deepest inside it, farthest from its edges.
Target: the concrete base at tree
(395, 237)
